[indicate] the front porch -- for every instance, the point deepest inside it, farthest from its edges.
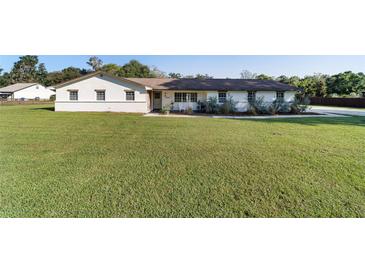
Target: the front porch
(6, 96)
(177, 101)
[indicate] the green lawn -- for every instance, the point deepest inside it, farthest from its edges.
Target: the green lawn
(119, 165)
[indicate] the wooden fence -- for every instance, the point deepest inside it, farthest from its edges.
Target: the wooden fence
(339, 102)
(28, 102)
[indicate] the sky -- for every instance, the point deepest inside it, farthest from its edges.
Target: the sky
(218, 66)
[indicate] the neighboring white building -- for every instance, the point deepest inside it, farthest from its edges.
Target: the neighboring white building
(26, 91)
(100, 91)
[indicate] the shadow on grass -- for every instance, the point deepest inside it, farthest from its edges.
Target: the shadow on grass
(44, 108)
(314, 121)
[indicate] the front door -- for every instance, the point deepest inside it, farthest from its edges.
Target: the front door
(157, 100)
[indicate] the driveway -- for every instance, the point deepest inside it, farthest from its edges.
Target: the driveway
(338, 110)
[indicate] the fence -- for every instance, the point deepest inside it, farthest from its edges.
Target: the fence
(28, 102)
(339, 102)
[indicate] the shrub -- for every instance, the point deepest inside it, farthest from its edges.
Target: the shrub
(165, 109)
(279, 107)
(212, 105)
(228, 107)
(251, 109)
(300, 105)
(354, 95)
(189, 110)
(258, 106)
(274, 107)
(284, 107)
(52, 97)
(202, 106)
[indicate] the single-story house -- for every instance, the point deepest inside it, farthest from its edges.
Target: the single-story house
(25, 91)
(101, 91)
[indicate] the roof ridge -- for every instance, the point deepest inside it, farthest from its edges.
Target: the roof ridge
(167, 78)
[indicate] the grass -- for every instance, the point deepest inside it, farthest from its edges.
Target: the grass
(117, 165)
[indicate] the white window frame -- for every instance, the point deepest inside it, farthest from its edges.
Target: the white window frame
(251, 94)
(190, 95)
(185, 97)
(72, 96)
(128, 93)
(98, 93)
(181, 96)
(280, 98)
(220, 99)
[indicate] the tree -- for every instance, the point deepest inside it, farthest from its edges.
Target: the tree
(314, 85)
(4, 79)
(134, 69)
(203, 76)
(42, 74)
(25, 70)
(283, 79)
(246, 74)
(175, 75)
(111, 68)
(346, 82)
(54, 78)
(95, 62)
(263, 77)
(321, 84)
(294, 81)
(156, 73)
(70, 73)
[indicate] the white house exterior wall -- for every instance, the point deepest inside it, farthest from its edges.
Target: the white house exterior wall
(33, 92)
(115, 96)
(242, 101)
(289, 96)
(138, 107)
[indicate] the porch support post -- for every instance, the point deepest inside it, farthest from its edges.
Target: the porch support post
(151, 96)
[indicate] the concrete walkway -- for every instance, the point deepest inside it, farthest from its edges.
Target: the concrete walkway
(338, 110)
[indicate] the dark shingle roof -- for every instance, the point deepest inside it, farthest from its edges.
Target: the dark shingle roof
(195, 84)
(213, 84)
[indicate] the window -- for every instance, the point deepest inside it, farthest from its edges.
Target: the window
(186, 97)
(251, 96)
(280, 96)
(73, 95)
(100, 95)
(222, 96)
(180, 97)
(129, 95)
(193, 97)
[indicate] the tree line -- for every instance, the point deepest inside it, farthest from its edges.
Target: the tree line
(28, 69)
(344, 84)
